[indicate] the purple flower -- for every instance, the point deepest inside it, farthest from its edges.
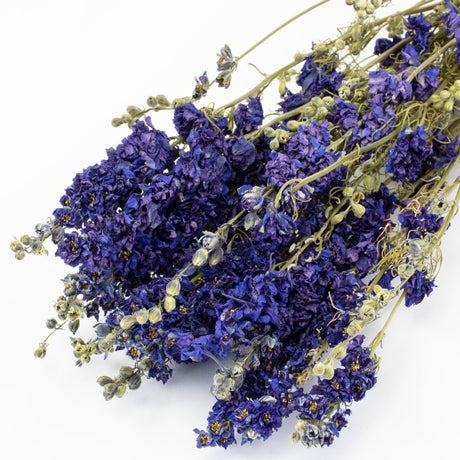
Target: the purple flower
(418, 286)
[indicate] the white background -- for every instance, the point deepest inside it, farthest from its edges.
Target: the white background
(68, 67)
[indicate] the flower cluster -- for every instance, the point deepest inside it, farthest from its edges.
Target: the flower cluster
(271, 242)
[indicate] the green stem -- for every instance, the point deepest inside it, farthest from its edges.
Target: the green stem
(431, 59)
(281, 27)
(379, 337)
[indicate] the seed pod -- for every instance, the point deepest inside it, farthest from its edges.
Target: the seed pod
(104, 380)
(117, 122)
(109, 391)
(134, 382)
(216, 256)
(152, 101)
(173, 287)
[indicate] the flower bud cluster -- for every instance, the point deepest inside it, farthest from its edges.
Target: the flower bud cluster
(364, 8)
(446, 99)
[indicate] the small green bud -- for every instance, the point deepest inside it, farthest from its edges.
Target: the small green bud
(370, 9)
(169, 303)
(126, 371)
(109, 391)
(121, 390)
(367, 313)
(310, 111)
(354, 328)
(215, 256)
(173, 287)
(318, 369)
(155, 315)
(295, 437)
(444, 95)
(163, 101)
(74, 325)
(128, 321)
(269, 132)
(51, 323)
(358, 209)
(328, 372)
(19, 254)
(274, 144)
(40, 352)
(339, 352)
(16, 246)
(449, 105)
(104, 380)
(348, 191)
(200, 257)
(321, 113)
(292, 125)
(356, 32)
(457, 95)
(85, 358)
(26, 239)
(146, 364)
(117, 122)
(142, 316)
(134, 382)
(152, 101)
(282, 87)
(338, 218)
(125, 118)
(339, 44)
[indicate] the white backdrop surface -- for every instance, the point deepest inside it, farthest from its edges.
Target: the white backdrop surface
(68, 67)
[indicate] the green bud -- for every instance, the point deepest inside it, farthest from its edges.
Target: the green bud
(169, 303)
(274, 144)
(338, 218)
(155, 315)
(282, 87)
(356, 32)
(310, 111)
(449, 105)
(125, 118)
(362, 14)
(134, 382)
(163, 101)
(339, 352)
(292, 125)
(117, 122)
(200, 257)
(74, 325)
(328, 372)
(146, 364)
(358, 209)
(104, 380)
(215, 256)
(370, 9)
(318, 369)
(142, 316)
(109, 391)
(269, 132)
(457, 95)
(295, 437)
(16, 246)
(85, 358)
(444, 95)
(339, 44)
(348, 191)
(26, 239)
(173, 287)
(128, 321)
(354, 328)
(51, 323)
(19, 254)
(152, 101)
(121, 390)
(321, 113)
(126, 371)
(367, 313)
(40, 352)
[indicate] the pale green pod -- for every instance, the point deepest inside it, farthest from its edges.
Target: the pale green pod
(126, 371)
(328, 372)
(338, 352)
(318, 369)
(120, 391)
(104, 380)
(134, 382)
(155, 315)
(173, 287)
(216, 256)
(127, 321)
(109, 391)
(142, 316)
(200, 257)
(169, 303)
